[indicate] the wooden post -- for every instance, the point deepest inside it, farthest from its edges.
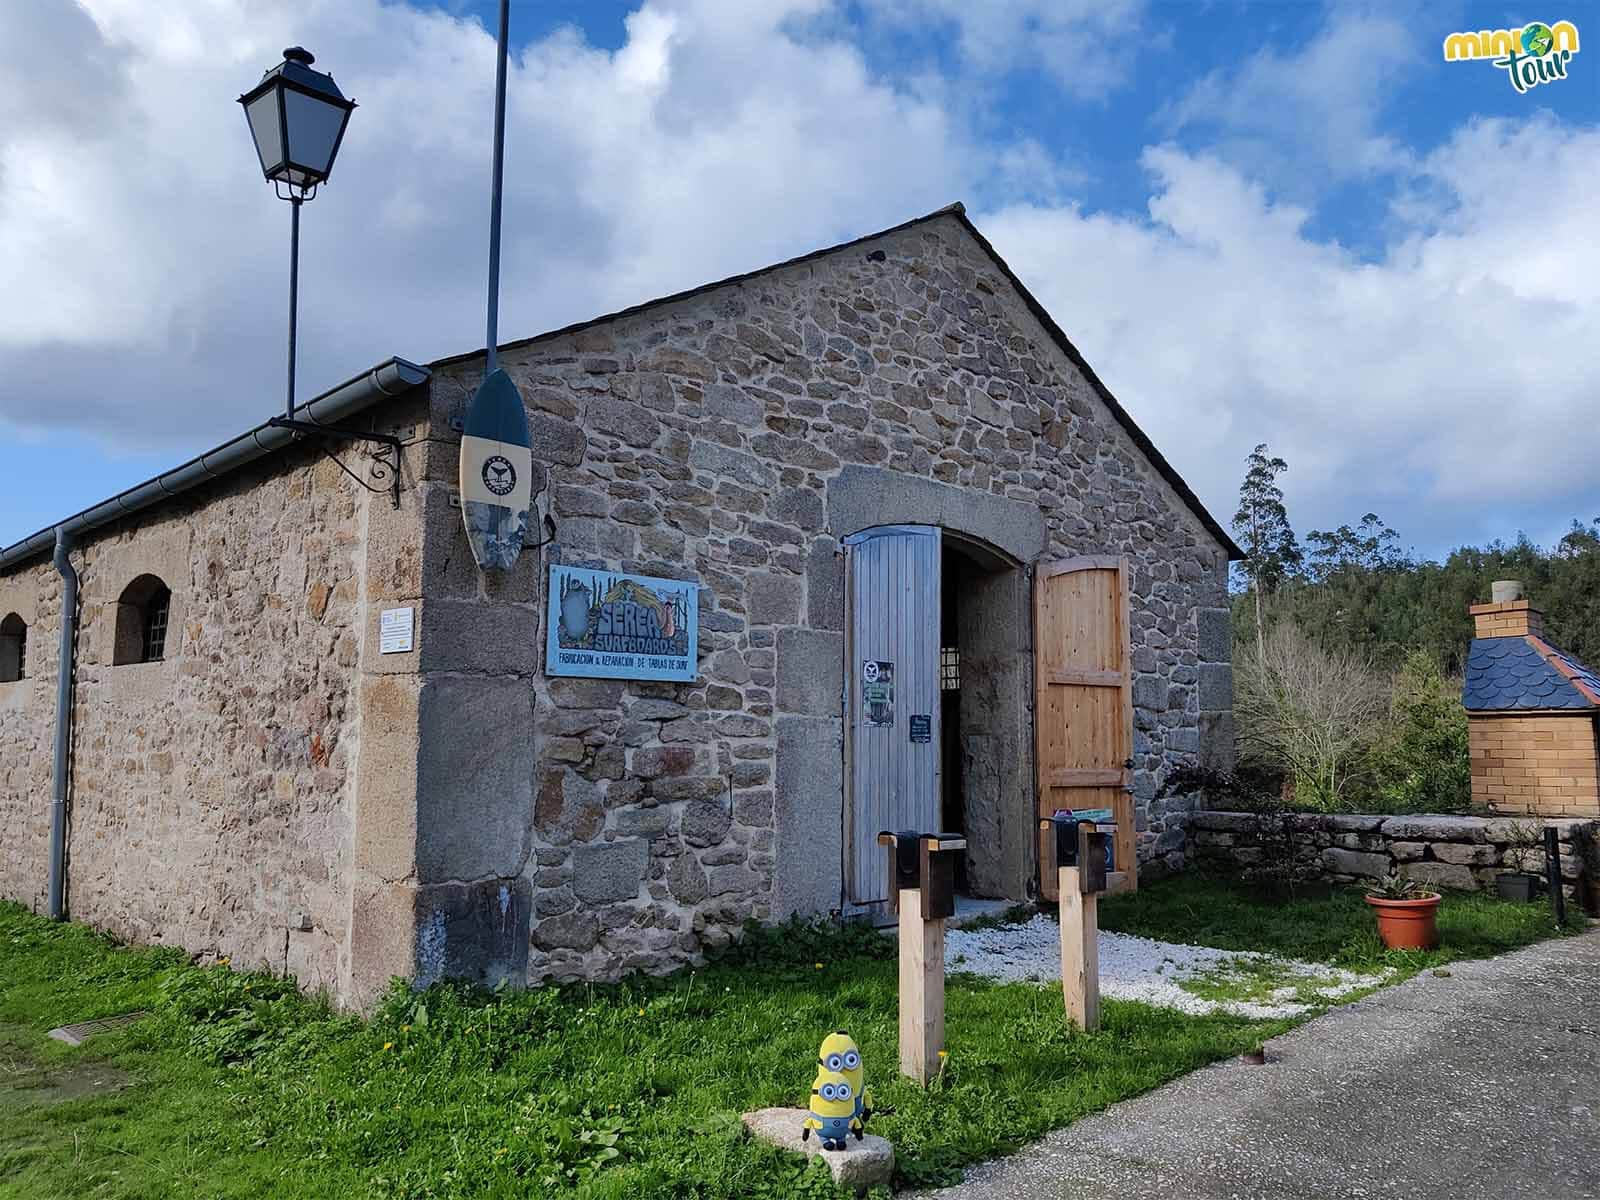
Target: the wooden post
(921, 989)
(1080, 950)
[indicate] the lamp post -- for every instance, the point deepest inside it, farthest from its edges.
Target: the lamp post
(297, 118)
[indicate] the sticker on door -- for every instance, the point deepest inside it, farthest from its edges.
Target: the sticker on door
(877, 692)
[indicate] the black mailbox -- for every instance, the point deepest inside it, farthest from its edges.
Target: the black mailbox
(927, 862)
(1080, 844)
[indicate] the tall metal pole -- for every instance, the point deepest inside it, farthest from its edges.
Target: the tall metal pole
(493, 335)
(294, 292)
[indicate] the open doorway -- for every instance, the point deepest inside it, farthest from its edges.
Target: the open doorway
(985, 728)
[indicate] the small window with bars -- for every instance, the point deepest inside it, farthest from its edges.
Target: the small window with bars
(155, 626)
(143, 614)
(949, 669)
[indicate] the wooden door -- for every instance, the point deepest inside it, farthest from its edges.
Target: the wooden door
(892, 679)
(1083, 704)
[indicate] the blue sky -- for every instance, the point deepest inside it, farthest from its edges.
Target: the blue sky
(1280, 222)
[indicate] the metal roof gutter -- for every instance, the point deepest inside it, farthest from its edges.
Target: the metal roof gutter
(390, 378)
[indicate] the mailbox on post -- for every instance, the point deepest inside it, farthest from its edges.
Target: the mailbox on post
(1082, 851)
(922, 890)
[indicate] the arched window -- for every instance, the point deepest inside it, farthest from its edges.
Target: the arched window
(142, 621)
(13, 648)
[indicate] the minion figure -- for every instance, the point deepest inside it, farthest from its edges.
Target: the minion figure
(840, 1053)
(834, 1111)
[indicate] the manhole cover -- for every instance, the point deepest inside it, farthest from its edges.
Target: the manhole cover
(76, 1035)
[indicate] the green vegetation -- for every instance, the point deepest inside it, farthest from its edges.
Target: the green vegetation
(1348, 652)
(236, 1086)
(242, 1088)
(1337, 929)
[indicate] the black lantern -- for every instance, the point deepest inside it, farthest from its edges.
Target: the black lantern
(297, 118)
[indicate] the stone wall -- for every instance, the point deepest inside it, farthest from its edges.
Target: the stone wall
(1464, 853)
(211, 793)
(733, 437)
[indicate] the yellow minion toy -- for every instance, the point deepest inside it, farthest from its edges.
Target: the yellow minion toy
(840, 1053)
(834, 1111)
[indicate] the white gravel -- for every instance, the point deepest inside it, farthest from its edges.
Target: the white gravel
(1136, 968)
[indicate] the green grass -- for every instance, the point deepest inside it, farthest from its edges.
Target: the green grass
(1338, 930)
(240, 1087)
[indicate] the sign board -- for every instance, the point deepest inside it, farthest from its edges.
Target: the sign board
(395, 630)
(877, 692)
(921, 727)
(606, 625)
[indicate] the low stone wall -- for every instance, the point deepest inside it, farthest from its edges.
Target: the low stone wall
(1464, 853)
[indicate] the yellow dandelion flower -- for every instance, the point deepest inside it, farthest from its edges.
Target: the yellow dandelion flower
(405, 1029)
(944, 1054)
(819, 966)
(388, 1045)
(641, 1012)
(224, 961)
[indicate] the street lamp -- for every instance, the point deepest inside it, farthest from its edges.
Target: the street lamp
(297, 118)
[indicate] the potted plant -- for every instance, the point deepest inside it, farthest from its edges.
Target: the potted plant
(1407, 914)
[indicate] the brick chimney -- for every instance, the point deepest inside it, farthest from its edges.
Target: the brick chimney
(1507, 614)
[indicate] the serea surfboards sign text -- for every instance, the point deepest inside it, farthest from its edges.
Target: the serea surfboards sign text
(606, 625)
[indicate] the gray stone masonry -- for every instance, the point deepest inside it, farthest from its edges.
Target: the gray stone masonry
(1460, 852)
(734, 437)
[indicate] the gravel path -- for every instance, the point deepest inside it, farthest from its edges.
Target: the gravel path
(1136, 968)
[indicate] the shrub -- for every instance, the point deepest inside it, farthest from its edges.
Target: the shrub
(1310, 714)
(1422, 763)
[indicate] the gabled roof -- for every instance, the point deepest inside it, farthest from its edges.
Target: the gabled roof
(1507, 674)
(958, 212)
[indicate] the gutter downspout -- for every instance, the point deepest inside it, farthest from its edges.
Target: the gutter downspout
(58, 804)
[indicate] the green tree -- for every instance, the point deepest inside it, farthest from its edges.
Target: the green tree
(1262, 527)
(1422, 764)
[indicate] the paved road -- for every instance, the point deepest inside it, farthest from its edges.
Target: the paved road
(1485, 1083)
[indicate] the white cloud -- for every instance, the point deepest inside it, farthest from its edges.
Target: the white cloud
(143, 259)
(1446, 385)
(1312, 113)
(1443, 381)
(1087, 46)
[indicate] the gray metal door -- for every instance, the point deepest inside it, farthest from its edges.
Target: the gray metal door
(892, 681)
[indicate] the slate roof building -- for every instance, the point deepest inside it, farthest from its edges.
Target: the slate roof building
(1533, 715)
(935, 574)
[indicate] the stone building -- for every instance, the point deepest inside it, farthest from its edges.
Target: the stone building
(306, 731)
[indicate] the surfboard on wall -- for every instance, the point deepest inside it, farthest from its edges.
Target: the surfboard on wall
(496, 472)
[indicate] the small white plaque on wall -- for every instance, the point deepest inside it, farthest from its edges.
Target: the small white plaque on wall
(394, 631)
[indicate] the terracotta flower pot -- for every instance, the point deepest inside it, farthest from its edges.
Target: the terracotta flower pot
(1408, 924)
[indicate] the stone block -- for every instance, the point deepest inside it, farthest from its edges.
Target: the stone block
(1352, 823)
(1214, 635)
(808, 814)
(1216, 687)
(1466, 853)
(860, 497)
(824, 585)
(609, 871)
(797, 506)
(1441, 875)
(1435, 828)
(865, 1164)
(705, 822)
(475, 772)
(810, 672)
(1407, 851)
(772, 599)
(470, 636)
(1225, 822)
(474, 931)
(1354, 862)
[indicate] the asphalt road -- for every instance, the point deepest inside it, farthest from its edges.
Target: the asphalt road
(1482, 1083)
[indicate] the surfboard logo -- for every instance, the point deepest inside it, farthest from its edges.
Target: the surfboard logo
(499, 476)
